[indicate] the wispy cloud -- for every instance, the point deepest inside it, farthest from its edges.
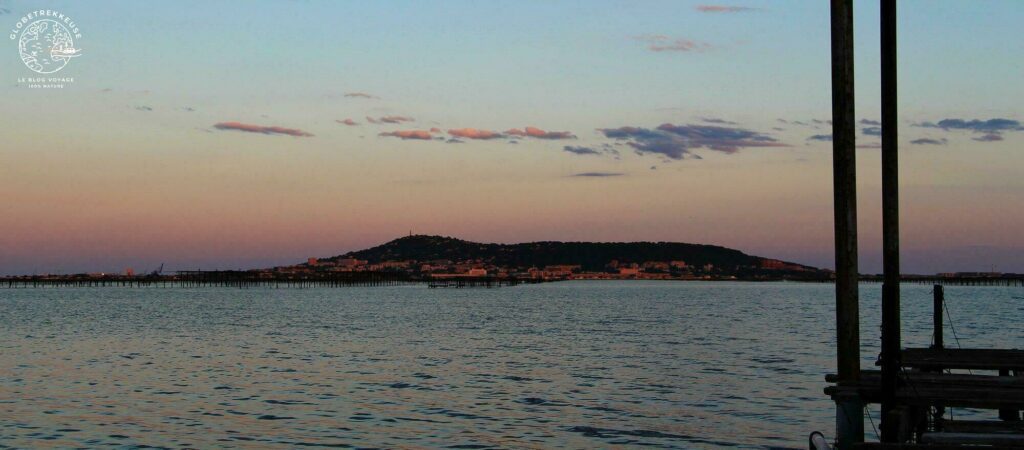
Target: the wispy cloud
(580, 150)
(995, 125)
(360, 95)
(598, 174)
(929, 141)
(821, 137)
(870, 122)
(390, 119)
(538, 133)
(473, 133)
(871, 131)
(604, 149)
(420, 135)
(990, 130)
(722, 9)
(143, 108)
(348, 122)
(261, 129)
(991, 137)
(718, 121)
(813, 123)
(679, 141)
(663, 43)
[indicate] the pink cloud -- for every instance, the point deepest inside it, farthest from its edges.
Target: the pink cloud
(261, 129)
(538, 133)
(348, 122)
(421, 135)
(473, 133)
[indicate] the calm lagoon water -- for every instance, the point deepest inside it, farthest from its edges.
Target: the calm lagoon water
(570, 365)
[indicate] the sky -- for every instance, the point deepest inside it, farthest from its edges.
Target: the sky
(240, 134)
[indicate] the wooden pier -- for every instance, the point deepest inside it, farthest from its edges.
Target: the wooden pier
(914, 387)
(471, 282)
(932, 380)
(254, 279)
(1002, 280)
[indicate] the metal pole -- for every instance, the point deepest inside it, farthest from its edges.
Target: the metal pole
(849, 413)
(890, 356)
(937, 299)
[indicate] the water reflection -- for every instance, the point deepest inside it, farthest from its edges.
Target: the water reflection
(577, 365)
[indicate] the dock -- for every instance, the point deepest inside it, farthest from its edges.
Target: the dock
(915, 388)
(252, 279)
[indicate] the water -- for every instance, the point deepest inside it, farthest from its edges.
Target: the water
(571, 365)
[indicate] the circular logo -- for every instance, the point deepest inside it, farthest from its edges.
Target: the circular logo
(46, 46)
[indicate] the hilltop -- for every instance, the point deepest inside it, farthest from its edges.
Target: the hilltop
(589, 256)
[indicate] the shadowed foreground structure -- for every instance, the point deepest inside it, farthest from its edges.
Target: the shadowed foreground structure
(914, 386)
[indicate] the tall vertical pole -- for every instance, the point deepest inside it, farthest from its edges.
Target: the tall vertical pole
(938, 297)
(890, 356)
(849, 414)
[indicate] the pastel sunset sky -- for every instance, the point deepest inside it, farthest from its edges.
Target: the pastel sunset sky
(241, 134)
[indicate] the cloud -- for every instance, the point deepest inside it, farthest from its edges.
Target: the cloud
(821, 137)
(812, 123)
(540, 134)
(872, 131)
(604, 149)
(929, 141)
(981, 126)
(717, 121)
(473, 133)
(724, 139)
(870, 122)
(360, 95)
(348, 122)
(580, 150)
(722, 9)
(390, 119)
(991, 137)
(261, 129)
(143, 108)
(599, 174)
(420, 135)
(662, 43)
(678, 141)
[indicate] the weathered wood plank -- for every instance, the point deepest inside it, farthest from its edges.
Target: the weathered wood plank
(982, 426)
(987, 397)
(977, 359)
(870, 378)
(1013, 440)
(881, 446)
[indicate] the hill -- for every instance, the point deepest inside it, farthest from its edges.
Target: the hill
(591, 256)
